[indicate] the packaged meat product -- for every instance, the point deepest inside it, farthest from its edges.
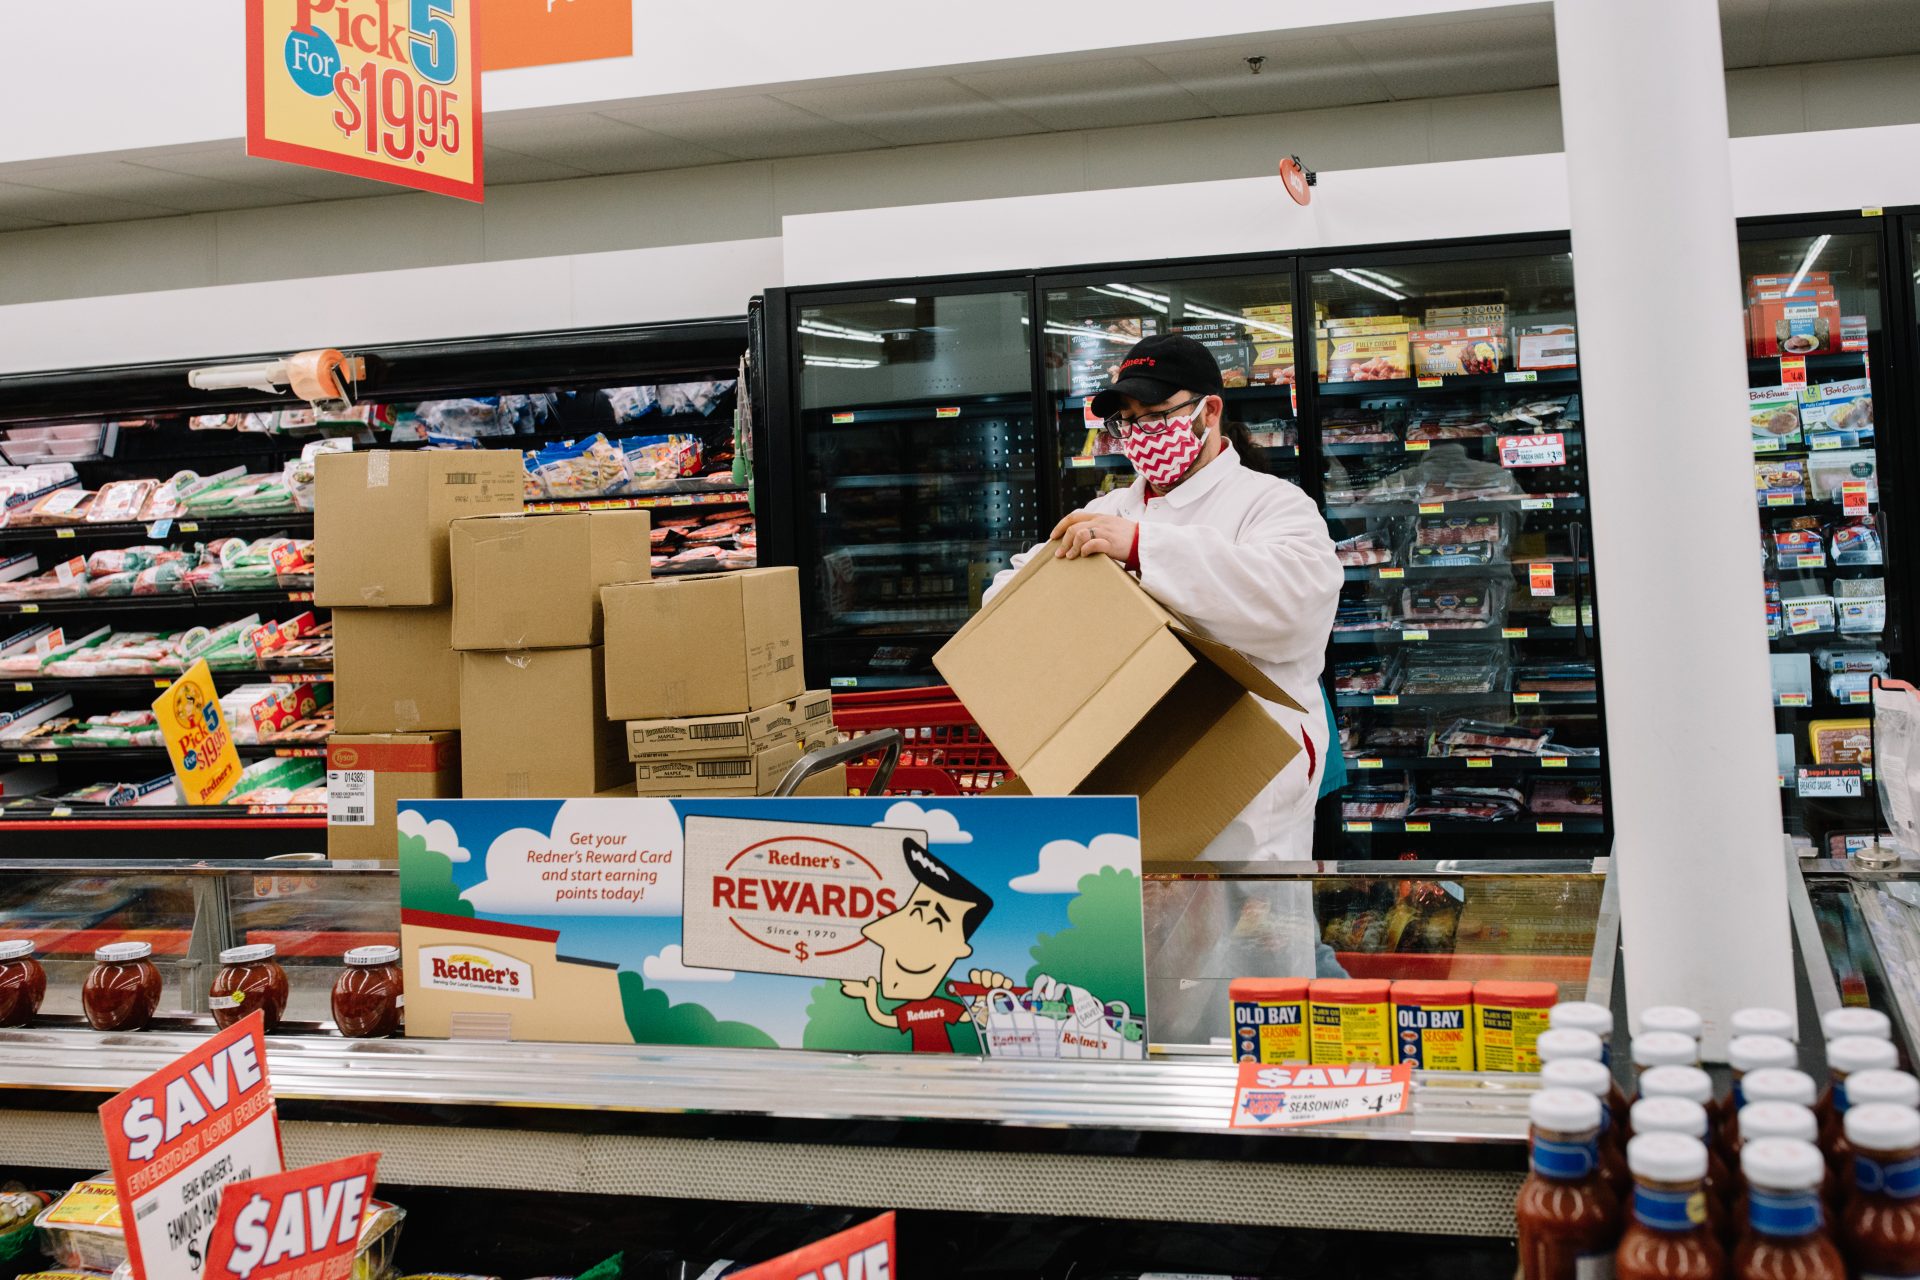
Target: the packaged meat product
(1830, 472)
(1373, 674)
(654, 460)
(1398, 739)
(1387, 797)
(1806, 608)
(1860, 605)
(82, 1228)
(1454, 604)
(1780, 482)
(1483, 738)
(693, 397)
(121, 501)
(1850, 686)
(1367, 548)
(1857, 541)
(1556, 676)
(1536, 414)
(1869, 661)
(63, 506)
(1565, 796)
(1458, 425)
(1841, 742)
(1356, 426)
(1453, 669)
(1454, 531)
(469, 419)
(584, 469)
(1363, 615)
(1837, 415)
(1443, 352)
(1774, 417)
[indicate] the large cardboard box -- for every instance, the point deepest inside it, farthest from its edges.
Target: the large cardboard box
(368, 772)
(530, 725)
(1089, 687)
(687, 737)
(533, 582)
(380, 520)
(703, 644)
(395, 671)
(754, 773)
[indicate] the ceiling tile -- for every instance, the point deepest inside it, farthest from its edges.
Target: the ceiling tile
(908, 112)
(139, 184)
(231, 163)
(1743, 31)
(10, 223)
(1437, 60)
(1298, 75)
(1089, 95)
(759, 127)
(62, 206)
(509, 168)
(592, 143)
(1836, 30)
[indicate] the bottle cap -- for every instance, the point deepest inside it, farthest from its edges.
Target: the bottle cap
(1751, 1053)
(1690, 1083)
(1778, 1084)
(1782, 1164)
(1671, 1017)
(1581, 1015)
(1667, 1157)
(1871, 1023)
(120, 952)
(1762, 1021)
(1555, 1045)
(373, 955)
(1665, 1049)
(1881, 1126)
(1564, 1111)
(252, 954)
(1670, 1115)
(1778, 1120)
(16, 948)
(1895, 1087)
(1579, 1074)
(1858, 1053)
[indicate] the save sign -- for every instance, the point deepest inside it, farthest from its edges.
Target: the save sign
(382, 89)
(303, 1225)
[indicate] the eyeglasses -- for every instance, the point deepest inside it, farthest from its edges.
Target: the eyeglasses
(1119, 426)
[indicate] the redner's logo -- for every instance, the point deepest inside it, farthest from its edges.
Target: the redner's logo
(1128, 364)
(466, 967)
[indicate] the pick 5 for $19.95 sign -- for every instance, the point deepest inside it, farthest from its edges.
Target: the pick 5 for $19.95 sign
(382, 89)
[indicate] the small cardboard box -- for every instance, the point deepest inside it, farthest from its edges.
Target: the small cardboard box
(533, 582)
(754, 773)
(703, 644)
(1367, 357)
(380, 520)
(368, 772)
(395, 671)
(1089, 687)
(531, 725)
(689, 737)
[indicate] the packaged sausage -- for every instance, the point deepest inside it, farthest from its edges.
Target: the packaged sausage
(1841, 742)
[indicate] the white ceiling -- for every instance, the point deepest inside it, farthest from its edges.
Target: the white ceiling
(1490, 51)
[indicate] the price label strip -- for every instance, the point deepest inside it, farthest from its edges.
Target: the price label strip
(1288, 1097)
(1830, 784)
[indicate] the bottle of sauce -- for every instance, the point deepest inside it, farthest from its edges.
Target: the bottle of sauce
(1762, 1021)
(1865, 1088)
(1785, 1237)
(1668, 1236)
(1837, 1024)
(1844, 1057)
(1663, 1049)
(1745, 1054)
(369, 996)
(249, 978)
(1689, 1120)
(1778, 1084)
(23, 983)
(123, 988)
(1567, 1044)
(1672, 1017)
(1880, 1234)
(1584, 1076)
(1568, 1219)
(1596, 1020)
(1793, 1121)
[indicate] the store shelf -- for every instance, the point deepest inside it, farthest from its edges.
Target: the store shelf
(1414, 573)
(930, 479)
(975, 409)
(1417, 447)
(732, 497)
(1459, 826)
(144, 686)
(679, 570)
(201, 529)
(1232, 395)
(241, 601)
(1408, 635)
(1437, 700)
(46, 816)
(1517, 380)
(1499, 764)
(156, 756)
(1764, 371)
(1466, 507)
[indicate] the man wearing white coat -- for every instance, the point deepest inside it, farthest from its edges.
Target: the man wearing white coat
(1244, 556)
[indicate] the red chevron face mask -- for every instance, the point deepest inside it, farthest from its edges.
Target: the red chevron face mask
(1164, 457)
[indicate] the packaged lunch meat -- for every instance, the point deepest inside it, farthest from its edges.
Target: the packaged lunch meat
(1572, 797)
(1456, 531)
(1773, 415)
(82, 1228)
(1780, 482)
(1841, 742)
(1797, 548)
(1454, 604)
(587, 468)
(1830, 472)
(1857, 541)
(1481, 738)
(1860, 605)
(1866, 661)
(1367, 548)
(1453, 669)
(1372, 674)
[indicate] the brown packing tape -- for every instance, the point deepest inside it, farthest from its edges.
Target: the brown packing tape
(406, 714)
(379, 466)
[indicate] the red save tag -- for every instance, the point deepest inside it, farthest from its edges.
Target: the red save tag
(303, 1223)
(1540, 579)
(1793, 371)
(1853, 497)
(179, 1136)
(1286, 1096)
(865, 1251)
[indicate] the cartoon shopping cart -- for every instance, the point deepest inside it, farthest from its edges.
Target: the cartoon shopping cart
(1051, 1020)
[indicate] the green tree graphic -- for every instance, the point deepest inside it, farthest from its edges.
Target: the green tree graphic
(1101, 948)
(652, 1018)
(839, 1023)
(426, 880)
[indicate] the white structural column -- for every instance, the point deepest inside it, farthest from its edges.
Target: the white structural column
(1689, 732)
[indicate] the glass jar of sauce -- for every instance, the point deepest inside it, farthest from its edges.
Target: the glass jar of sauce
(369, 997)
(23, 983)
(123, 988)
(1668, 1236)
(249, 978)
(1881, 1231)
(1568, 1219)
(1785, 1236)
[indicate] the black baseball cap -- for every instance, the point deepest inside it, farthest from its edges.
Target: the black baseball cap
(1159, 368)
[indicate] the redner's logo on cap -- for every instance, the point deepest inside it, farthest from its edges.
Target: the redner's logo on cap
(1128, 364)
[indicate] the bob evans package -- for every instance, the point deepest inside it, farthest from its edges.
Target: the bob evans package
(1089, 687)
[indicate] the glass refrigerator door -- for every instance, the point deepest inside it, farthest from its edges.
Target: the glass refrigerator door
(917, 444)
(1246, 320)
(1464, 664)
(1814, 329)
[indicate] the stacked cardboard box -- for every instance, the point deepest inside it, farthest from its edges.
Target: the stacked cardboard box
(728, 715)
(381, 531)
(528, 623)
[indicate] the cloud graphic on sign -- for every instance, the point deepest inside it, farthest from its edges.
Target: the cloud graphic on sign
(439, 835)
(939, 824)
(668, 967)
(1064, 862)
(518, 865)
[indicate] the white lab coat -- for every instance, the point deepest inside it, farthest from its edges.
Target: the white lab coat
(1247, 558)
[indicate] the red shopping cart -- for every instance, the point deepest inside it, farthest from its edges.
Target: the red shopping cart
(942, 753)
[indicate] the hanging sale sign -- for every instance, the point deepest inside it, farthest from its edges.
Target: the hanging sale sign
(864, 1252)
(291, 1226)
(540, 33)
(382, 89)
(181, 1135)
(198, 737)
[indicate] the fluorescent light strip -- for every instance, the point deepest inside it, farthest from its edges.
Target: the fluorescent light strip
(1155, 300)
(1069, 331)
(1365, 283)
(840, 362)
(835, 331)
(1388, 281)
(1806, 263)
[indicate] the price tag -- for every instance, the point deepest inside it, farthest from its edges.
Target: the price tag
(63, 533)
(1362, 827)
(1393, 573)
(1082, 462)
(160, 528)
(1416, 828)
(292, 1225)
(23, 686)
(1860, 695)
(1548, 450)
(163, 682)
(1824, 442)
(1285, 1097)
(1793, 371)
(1386, 699)
(60, 811)
(1536, 504)
(1792, 700)
(1413, 635)
(188, 526)
(1513, 633)
(1799, 622)
(1427, 384)
(49, 757)
(1479, 762)
(1549, 828)
(949, 412)
(1419, 446)
(1433, 508)
(1523, 375)
(24, 757)
(1830, 784)
(29, 608)
(1369, 762)
(1853, 497)
(842, 417)
(1526, 697)
(1871, 211)
(1553, 762)
(1540, 579)
(1782, 500)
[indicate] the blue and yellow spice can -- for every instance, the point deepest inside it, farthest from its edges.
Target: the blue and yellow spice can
(1433, 1025)
(1269, 1019)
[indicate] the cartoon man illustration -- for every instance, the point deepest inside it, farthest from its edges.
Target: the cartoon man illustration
(918, 944)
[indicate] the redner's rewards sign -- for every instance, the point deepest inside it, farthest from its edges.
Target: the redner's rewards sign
(382, 89)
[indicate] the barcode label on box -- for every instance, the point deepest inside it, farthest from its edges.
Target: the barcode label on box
(731, 729)
(463, 477)
(783, 664)
(724, 768)
(349, 797)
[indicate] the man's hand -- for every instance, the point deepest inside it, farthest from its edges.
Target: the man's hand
(989, 978)
(1083, 533)
(864, 989)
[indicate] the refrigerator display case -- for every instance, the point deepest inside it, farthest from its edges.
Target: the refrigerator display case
(1445, 413)
(1858, 928)
(1817, 359)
